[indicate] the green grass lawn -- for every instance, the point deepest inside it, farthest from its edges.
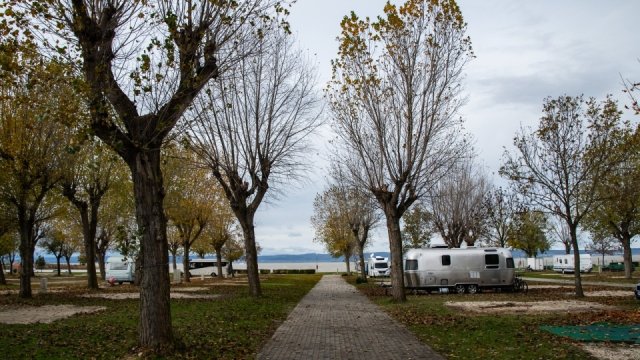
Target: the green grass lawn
(233, 326)
(462, 335)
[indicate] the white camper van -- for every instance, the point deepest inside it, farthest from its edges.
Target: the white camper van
(208, 267)
(378, 266)
(460, 270)
(566, 263)
(120, 269)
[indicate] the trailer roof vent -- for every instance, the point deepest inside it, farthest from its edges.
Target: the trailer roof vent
(491, 250)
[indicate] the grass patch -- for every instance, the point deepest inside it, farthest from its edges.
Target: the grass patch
(234, 326)
(462, 335)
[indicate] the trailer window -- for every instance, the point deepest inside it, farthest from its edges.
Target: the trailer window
(510, 264)
(446, 260)
(492, 261)
(382, 265)
(118, 266)
(411, 265)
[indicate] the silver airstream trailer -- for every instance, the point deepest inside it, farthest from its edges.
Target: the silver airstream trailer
(459, 270)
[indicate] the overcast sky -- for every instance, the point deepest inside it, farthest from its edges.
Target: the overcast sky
(525, 51)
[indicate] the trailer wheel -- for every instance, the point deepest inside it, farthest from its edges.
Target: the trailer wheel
(472, 289)
(460, 289)
(213, 274)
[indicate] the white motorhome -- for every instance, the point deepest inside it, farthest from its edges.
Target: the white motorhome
(460, 270)
(566, 263)
(208, 267)
(378, 266)
(120, 269)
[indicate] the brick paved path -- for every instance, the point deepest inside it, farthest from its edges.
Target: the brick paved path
(335, 321)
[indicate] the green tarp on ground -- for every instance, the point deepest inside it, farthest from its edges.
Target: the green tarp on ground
(598, 332)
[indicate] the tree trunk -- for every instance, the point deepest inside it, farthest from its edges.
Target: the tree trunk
(348, 263)
(3, 279)
(155, 330)
(395, 246)
(89, 232)
(219, 260)
(68, 260)
(626, 246)
(174, 261)
(576, 261)
(251, 255)
(101, 265)
(27, 248)
(58, 264)
(363, 272)
(185, 262)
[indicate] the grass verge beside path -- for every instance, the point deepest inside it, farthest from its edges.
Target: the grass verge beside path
(233, 326)
(463, 335)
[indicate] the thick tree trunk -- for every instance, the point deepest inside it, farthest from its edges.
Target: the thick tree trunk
(348, 263)
(185, 263)
(251, 255)
(626, 246)
(68, 260)
(58, 264)
(89, 226)
(363, 272)
(219, 260)
(27, 248)
(576, 261)
(395, 247)
(155, 330)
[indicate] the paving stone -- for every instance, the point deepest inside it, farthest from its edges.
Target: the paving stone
(335, 321)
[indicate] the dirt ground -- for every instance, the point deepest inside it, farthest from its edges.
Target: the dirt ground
(517, 307)
(42, 314)
(612, 352)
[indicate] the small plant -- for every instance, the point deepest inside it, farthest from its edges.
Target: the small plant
(361, 280)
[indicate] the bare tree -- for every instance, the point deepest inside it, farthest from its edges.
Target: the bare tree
(458, 205)
(559, 231)
(394, 99)
(603, 245)
(553, 166)
(502, 206)
(146, 61)
(251, 128)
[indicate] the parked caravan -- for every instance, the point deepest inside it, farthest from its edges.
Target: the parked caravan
(535, 264)
(566, 263)
(460, 270)
(120, 269)
(378, 266)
